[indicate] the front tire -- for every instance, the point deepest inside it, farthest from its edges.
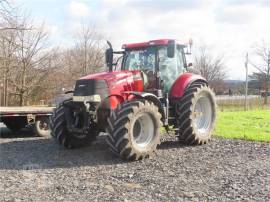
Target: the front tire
(58, 125)
(133, 129)
(196, 114)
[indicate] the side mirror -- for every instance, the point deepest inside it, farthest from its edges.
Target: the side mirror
(171, 49)
(109, 56)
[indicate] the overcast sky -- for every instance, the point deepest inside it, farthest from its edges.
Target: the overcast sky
(229, 27)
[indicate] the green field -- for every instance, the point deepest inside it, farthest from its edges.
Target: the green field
(248, 125)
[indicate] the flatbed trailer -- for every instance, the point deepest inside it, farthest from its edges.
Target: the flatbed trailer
(16, 118)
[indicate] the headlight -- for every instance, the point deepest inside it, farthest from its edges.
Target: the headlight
(90, 98)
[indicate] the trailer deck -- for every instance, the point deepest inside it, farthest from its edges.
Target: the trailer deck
(16, 118)
(23, 111)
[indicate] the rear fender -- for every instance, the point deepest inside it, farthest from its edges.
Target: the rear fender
(183, 81)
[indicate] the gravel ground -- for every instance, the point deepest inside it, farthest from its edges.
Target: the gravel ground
(37, 169)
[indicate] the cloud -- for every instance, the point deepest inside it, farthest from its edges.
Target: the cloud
(78, 9)
(164, 6)
(236, 15)
(240, 2)
(228, 27)
(246, 2)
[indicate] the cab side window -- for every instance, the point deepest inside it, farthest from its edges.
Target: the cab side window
(168, 68)
(180, 61)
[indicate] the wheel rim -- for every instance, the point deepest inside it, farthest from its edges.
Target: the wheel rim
(203, 114)
(43, 125)
(143, 131)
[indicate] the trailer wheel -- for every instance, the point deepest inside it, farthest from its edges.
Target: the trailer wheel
(42, 127)
(58, 125)
(15, 123)
(133, 129)
(196, 114)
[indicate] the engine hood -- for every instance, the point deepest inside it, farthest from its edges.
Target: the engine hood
(110, 84)
(117, 81)
(110, 77)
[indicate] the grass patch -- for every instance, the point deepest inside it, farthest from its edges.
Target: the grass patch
(248, 125)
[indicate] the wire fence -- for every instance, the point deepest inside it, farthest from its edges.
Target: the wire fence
(224, 102)
(237, 103)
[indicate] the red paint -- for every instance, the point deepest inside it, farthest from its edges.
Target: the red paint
(131, 80)
(182, 82)
(119, 82)
(158, 42)
(116, 100)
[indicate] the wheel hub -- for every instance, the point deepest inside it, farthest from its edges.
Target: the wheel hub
(43, 125)
(143, 131)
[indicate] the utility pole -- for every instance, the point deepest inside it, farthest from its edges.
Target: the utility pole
(246, 92)
(267, 79)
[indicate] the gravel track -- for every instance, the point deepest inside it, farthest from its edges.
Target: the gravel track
(37, 169)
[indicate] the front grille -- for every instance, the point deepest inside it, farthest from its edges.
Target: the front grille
(91, 87)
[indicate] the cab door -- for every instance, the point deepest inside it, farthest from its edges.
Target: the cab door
(170, 68)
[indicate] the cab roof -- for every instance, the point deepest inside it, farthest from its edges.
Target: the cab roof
(157, 42)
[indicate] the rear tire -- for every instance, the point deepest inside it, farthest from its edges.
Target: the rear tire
(133, 129)
(196, 113)
(58, 125)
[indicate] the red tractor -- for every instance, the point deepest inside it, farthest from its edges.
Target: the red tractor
(152, 89)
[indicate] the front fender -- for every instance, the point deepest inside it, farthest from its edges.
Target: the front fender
(150, 97)
(115, 100)
(183, 81)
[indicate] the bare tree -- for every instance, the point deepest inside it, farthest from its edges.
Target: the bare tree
(85, 57)
(211, 68)
(64, 72)
(10, 24)
(262, 52)
(7, 50)
(90, 49)
(29, 69)
(9, 15)
(5, 14)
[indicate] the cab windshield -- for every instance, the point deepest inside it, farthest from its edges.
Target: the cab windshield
(143, 59)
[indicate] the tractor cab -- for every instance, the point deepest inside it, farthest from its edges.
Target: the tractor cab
(160, 61)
